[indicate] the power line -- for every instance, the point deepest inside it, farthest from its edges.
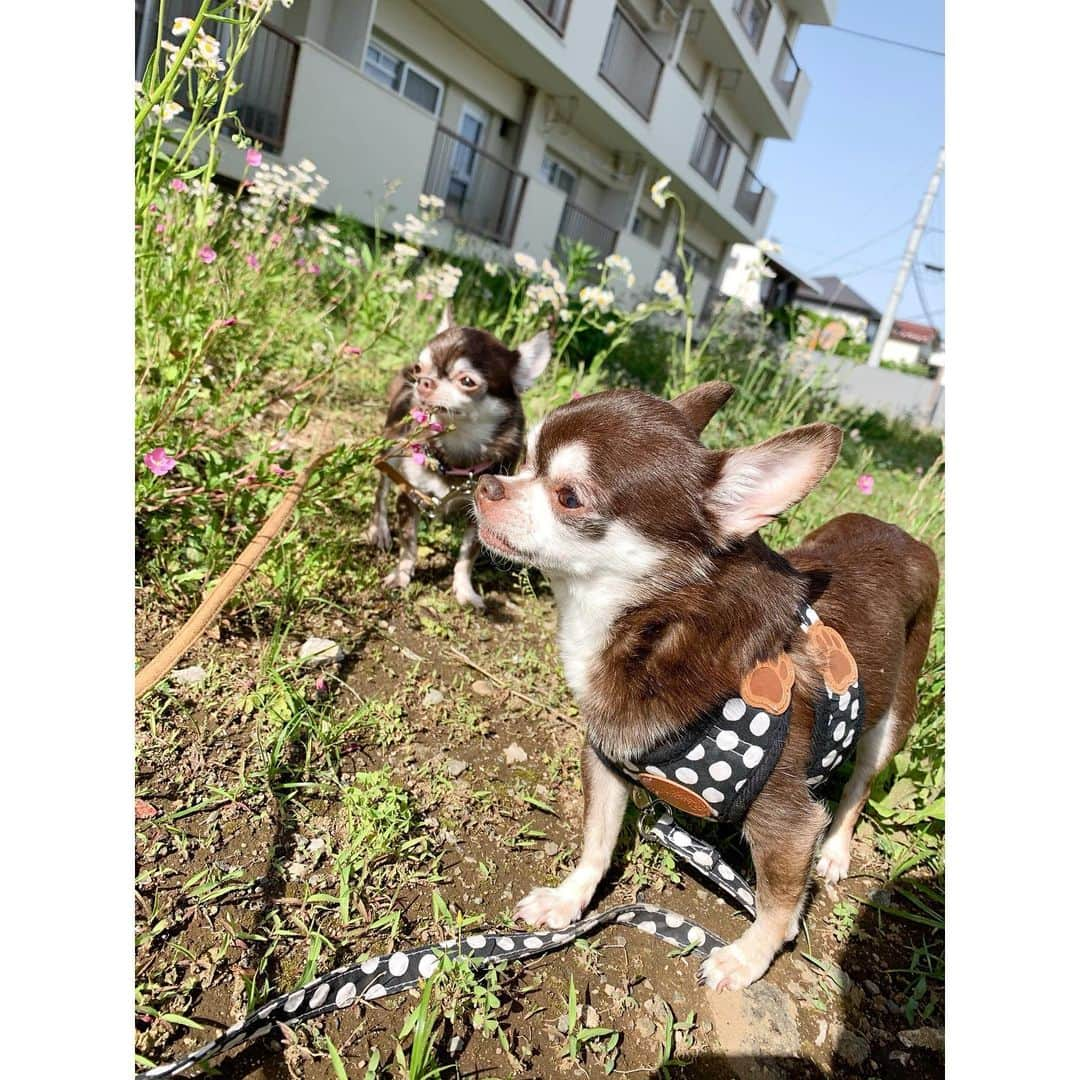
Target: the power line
(889, 41)
(844, 254)
(922, 299)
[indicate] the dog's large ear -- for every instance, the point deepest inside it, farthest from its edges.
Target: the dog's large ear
(533, 357)
(758, 483)
(702, 403)
(447, 319)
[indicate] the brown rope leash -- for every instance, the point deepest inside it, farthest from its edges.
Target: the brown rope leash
(151, 673)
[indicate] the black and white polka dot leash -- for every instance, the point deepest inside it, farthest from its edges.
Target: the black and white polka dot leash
(384, 976)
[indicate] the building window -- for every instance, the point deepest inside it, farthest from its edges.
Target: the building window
(553, 12)
(648, 228)
(711, 150)
(753, 14)
(558, 175)
(402, 77)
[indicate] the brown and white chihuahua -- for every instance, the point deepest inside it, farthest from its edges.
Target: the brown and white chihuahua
(666, 594)
(467, 381)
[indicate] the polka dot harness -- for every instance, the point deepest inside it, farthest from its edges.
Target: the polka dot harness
(714, 773)
(717, 770)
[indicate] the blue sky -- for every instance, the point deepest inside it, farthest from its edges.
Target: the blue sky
(862, 158)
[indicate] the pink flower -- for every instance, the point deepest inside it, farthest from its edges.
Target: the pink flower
(254, 158)
(436, 427)
(159, 461)
(275, 239)
(207, 254)
(419, 415)
(152, 208)
(313, 268)
(177, 184)
(159, 227)
(302, 263)
(418, 455)
(352, 350)
(253, 262)
(575, 395)
(277, 470)
(220, 324)
(865, 484)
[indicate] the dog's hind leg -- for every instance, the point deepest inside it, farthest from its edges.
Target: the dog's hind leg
(409, 519)
(876, 748)
(378, 534)
(464, 592)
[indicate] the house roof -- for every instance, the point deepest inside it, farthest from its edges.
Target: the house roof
(913, 332)
(807, 284)
(832, 291)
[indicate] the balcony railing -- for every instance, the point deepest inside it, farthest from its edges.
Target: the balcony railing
(630, 65)
(703, 266)
(711, 149)
(553, 12)
(787, 72)
(579, 224)
(266, 72)
(753, 15)
(751, 192)
(482, 194)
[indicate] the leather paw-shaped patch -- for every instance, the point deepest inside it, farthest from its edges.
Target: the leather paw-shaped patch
(831, 655)
(768, 686)
(676, 795)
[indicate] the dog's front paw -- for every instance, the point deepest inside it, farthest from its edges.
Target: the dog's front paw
(397, 579)
(378, 535)
(835, 859)
(467, 596)
(730, 968)
(553, 908)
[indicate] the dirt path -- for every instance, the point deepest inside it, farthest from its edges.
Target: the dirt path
(226, 890)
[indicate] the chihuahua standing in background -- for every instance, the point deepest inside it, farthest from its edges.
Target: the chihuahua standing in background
(708, 667)
(470, 384)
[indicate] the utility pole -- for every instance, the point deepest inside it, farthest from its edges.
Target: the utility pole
(921, 219)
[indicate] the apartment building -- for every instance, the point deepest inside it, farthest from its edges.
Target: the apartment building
(534, 120)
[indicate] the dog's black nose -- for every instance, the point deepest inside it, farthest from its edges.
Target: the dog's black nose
(490, 488)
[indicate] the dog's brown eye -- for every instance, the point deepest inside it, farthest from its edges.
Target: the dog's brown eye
(416, 369)
(467, 382)
(568, 498)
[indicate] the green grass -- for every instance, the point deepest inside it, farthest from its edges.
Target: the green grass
(289, 835)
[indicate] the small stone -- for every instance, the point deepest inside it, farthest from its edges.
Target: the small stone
(852, 1048)
(433, 698)
(456, 767)
(551, 848)
(925, 1038)
(592, 1017)
(902, 1056)
(483, 688)
(514, 754)
(189, 676)
(871, 987)
(317, 650)
(562, 1025)
(455, 1045)
(823, 1030)
(645, 1027)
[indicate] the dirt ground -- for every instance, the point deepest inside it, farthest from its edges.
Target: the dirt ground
(226, 882)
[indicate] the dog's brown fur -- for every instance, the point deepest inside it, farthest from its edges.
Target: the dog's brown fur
(720, 604)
